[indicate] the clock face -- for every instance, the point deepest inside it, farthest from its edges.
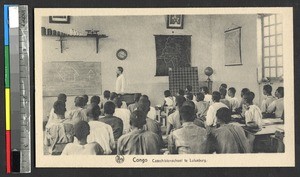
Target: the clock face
(121, 54)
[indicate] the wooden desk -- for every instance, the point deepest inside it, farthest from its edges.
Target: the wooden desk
(262, 139)
(128, 98)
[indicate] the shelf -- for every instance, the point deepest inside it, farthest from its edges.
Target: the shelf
(63, 38)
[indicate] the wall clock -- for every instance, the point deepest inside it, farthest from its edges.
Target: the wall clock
(121, 54)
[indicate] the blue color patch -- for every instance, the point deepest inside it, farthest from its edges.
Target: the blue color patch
(6, 25)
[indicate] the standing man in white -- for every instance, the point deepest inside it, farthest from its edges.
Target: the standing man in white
(120, 82)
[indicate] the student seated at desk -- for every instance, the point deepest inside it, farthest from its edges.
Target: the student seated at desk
(85, 100)
(267, 91)
(139, 141)
(234, 102)
(114, 95)
(169, 101)
(52, 116)
(253, 116)
(277, 106)
(95, 100)
(227, 138)
(106, 96)
(223, 86)
(151, 125)
(152, 112)
(79, 113)
(207, 96)
(100, 132)
(189, 96)
(211, 119)
(190, 139)
(180, 93)
(82, 147)
(173, 120)
(201, 106)
(188, 93)
(241, 109)
(60, 132)
(122, 113)
(115, 122)
(134, 105)
(223, 93)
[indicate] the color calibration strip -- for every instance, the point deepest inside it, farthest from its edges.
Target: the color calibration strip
(7, 89)
(17, 86)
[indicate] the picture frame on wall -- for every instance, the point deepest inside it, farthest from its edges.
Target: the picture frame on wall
(175, 21)
(59, 19)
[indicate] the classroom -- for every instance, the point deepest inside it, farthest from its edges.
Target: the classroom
(205, 56)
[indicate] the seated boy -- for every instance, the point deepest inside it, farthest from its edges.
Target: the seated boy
(114, 95)
(188, 93)
(277, 106)
(211, 119)
(201, 106)
(267, 91)
(115, 122)
(223, 86)
(253, 116)
(223, 93)
(169, 101)
(78, 113)
(85, 100)
(123, 114)
(100, 132)
(190, 139)
(207, 96)
(173, 120)
(81, 147)
(241, 109)
(134, 105)
(52, 116)
(139, 141)
(234, 102)
(228, 138)
(60, 132)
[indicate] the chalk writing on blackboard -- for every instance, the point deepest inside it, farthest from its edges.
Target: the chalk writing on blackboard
(71, 78)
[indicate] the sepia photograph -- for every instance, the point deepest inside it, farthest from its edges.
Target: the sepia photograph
(164, 87)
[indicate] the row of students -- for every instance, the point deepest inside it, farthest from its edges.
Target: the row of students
(104, 135)
(61, 123)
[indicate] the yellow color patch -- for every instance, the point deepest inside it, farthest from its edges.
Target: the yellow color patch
(7, 108)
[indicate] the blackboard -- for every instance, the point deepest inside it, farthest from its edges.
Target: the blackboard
(72, 78)
(172, 51)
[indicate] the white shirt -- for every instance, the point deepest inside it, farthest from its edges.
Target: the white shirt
(152, 113)
(234, 103)
(120, 84)
(123, 114)
(253, 114)
(53, 119)
(170, 101)
(277, 107)
(266, 102)
(211, 118)
(208, 98)
(102, 133)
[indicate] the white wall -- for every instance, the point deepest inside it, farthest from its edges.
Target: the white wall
(240, 76)
(136, 35)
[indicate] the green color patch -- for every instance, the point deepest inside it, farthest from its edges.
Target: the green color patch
(7, 67)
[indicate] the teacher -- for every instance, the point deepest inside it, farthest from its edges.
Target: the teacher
(120, 82)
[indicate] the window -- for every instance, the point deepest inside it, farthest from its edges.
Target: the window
(272, 55)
